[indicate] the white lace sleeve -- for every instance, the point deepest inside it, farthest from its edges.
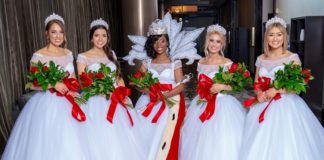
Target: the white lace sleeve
(35, 58)
(177, 64)
(295, 58)
(258, 62)
(82, 59)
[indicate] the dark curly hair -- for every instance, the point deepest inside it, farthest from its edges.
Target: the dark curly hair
(149, 44)
(106, 48)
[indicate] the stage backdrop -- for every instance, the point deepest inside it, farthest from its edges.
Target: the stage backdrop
(22, 33)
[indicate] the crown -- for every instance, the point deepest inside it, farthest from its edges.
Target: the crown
(216, 28)
(157, 28)
(276, 20)
(99, 22)
(53, 17)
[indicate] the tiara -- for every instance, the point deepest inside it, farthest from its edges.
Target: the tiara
(157, 28)
(53, 17)
(99, 22)
(276, 20)
(216, 28)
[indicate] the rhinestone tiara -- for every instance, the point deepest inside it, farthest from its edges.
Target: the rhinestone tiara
(216, 28)
(276, 20)
(99, 22)
(53, 17)
(157, 28)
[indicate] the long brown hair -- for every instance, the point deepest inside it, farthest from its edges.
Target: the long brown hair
(106, 48)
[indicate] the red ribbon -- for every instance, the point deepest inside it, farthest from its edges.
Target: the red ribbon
(203, 90)
(156, 93)
(118, 96)
(261, 117)
(263, 84)
(73, 85)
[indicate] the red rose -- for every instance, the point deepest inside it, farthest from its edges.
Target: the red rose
(34, 69)
(99, 75)
(87, 81)
(91, 75)
(83, 75)
(72, 84)
(246, 74)
(138, 74)
(233, 68)
(306, 80)
(35, 83)
(45, 68)
(306, 73)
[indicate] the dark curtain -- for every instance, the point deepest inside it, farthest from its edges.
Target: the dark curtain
(22, 33)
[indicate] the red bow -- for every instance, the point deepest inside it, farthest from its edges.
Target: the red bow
(203, 90)
(156, 93)
(263, 84)
(73, 85)
(118, 96)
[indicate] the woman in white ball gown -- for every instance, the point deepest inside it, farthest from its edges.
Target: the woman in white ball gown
(104, 139)
(219, 136)
(45, 128)
(288, 130)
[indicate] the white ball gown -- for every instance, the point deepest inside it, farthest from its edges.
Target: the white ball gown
(290, 131)
(218, 138)
(105, 140)
(45, 128)
(161, 139)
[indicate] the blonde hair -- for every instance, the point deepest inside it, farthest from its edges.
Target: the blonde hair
(223, 40)
(285, 38)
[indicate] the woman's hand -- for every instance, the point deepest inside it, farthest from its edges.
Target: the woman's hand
(216, 88)
(61, 88)
(145, 90)
(261, 96)
(72, 93)
(270, 93)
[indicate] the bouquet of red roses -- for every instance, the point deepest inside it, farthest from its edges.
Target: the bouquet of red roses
(237, 77)
(146, 80)
(143, 79)
(292, 78)
(101, 82)
(42, 76)
(98, 82)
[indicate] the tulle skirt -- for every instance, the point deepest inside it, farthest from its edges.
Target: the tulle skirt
(104, 140)
(290, 131)
(150, 133)
(218, 138)
(45, 130)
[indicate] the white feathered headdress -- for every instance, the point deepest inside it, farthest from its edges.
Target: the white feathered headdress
(181, 43)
